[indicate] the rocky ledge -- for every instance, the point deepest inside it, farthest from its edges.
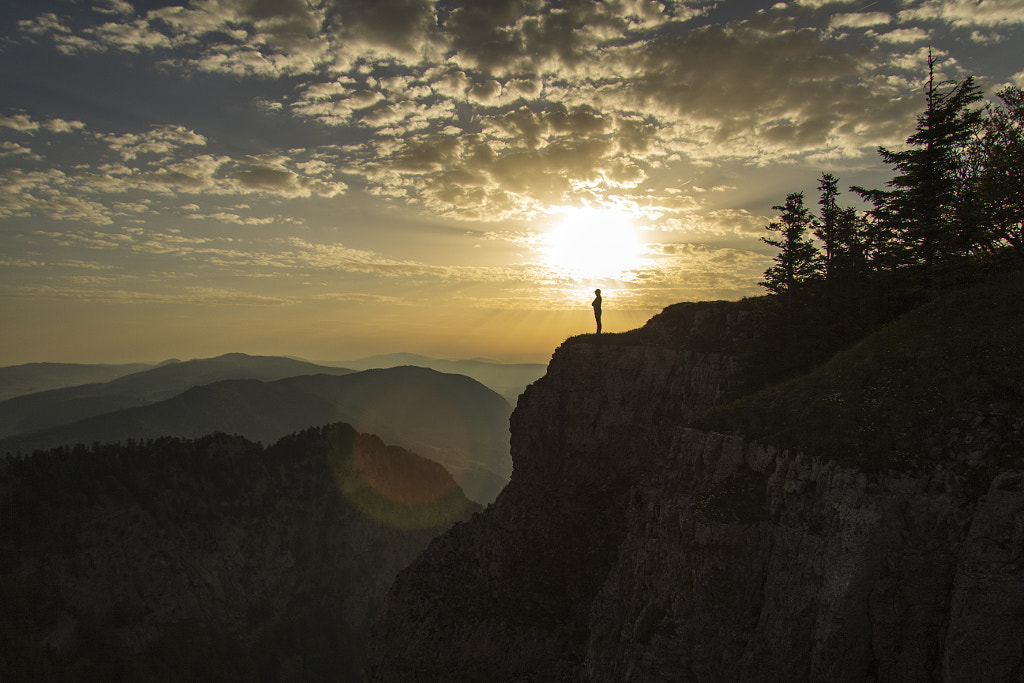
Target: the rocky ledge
(629, 547)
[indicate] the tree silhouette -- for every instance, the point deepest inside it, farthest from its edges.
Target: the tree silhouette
(956, 201)
(926, 205)
(999, 163)
(798, 260)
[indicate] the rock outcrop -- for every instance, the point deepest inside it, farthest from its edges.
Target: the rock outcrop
(629, 547)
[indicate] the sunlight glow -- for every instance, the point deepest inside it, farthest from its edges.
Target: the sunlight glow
(592, 243)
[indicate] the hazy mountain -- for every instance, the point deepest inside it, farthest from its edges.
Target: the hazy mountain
(34, 412)
(508, 379)
(451, 419)
(209, 560)
(30, 378)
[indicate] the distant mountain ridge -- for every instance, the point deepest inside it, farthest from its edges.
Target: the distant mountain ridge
(451, 419)
(31, 378)
(508, 379)
(43, 410)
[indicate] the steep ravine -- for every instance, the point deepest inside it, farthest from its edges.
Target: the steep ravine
(628, 547)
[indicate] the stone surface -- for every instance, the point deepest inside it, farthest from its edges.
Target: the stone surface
(630, 548)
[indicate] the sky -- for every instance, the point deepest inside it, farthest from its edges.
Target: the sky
(331, 179)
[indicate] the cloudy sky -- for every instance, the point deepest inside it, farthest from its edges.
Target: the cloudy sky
(334, 178)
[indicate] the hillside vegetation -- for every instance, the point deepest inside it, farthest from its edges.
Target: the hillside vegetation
(941, 385)
(451, 419)
(211, 559)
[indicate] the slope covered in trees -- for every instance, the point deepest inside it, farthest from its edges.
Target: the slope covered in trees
(952, 214)
(943, 384)
(210, 559)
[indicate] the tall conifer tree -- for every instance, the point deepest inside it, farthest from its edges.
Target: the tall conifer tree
(798, 260)
(1001, 173)
(927, 191)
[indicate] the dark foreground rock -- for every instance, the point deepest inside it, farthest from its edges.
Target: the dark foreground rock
(629, 547)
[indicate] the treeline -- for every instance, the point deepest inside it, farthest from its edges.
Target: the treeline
(213, 559)
(952, 213)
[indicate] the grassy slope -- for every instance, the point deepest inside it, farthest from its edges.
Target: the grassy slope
(944, 383)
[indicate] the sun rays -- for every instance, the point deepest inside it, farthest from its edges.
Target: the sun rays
(593, 244)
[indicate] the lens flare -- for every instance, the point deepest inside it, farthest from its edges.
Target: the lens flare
(390, 484)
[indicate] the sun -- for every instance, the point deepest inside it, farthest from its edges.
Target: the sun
(591, 243)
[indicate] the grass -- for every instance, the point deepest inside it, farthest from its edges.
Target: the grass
(942, 384)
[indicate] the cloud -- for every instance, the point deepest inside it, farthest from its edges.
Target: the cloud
(823, 3)
(62, 126)
(496, 109)
(706, 225)
(904, 35)
(700, 271)
(625, 57)
(271, 179)
(19, 122)
(506, 37)
(404, 27)
(360, 298)
(75, 291)
(138, 168)
(14, 149)
(114, 7)
(158, 140)
(40, 264)
(27, 193)
(758, 91)
(859, 19)
(991, 13)
(229, 217)
(276, 257)
(24, 123)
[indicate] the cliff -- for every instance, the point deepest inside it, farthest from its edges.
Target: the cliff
(213, 559)
(630, 546)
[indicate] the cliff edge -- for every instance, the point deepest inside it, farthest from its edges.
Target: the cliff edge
(630, 546)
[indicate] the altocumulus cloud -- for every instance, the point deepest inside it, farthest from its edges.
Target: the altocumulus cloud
(481, 112)
(561, 99)
(498, 109)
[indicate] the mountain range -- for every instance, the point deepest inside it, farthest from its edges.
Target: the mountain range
(451, 419)
(670, 517)
(30, 378)
(508, 379)
(42, 410)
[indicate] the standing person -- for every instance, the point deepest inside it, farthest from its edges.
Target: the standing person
(597, 309)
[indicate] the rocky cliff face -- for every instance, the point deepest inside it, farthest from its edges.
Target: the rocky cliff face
(211, 559)
(628, 547)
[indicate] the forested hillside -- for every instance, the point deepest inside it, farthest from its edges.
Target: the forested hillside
(210, 559)
(952, 214)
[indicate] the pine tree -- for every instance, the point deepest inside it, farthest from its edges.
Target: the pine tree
(1001, 170)
(827, 227)
(928, 190)
(798, 260)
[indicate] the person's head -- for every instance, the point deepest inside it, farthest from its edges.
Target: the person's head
(597, 291)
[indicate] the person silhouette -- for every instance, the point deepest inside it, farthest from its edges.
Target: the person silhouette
(597, 309)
